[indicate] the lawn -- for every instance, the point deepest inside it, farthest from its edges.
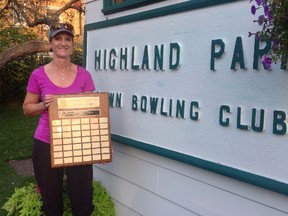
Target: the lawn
(16, 137)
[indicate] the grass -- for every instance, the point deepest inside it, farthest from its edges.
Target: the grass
(16, 137)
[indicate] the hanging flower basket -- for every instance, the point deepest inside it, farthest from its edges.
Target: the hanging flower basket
(272, 19)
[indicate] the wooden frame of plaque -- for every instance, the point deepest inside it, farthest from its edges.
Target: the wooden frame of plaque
(80, 129)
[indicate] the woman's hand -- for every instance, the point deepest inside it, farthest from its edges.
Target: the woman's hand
(32, 106)
(48, 99)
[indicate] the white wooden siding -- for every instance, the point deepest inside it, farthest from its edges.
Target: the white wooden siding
(145, 184)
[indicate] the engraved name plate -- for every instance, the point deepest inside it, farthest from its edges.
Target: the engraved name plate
(80, 129)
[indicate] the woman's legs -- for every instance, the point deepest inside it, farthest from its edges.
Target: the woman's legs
(50, 180)
(80, 189)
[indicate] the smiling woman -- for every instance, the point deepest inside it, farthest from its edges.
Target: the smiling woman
(60, 76)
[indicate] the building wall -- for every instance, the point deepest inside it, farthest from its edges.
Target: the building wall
(174, 165)
(142, 183)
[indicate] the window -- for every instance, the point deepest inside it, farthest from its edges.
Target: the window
(113, 6)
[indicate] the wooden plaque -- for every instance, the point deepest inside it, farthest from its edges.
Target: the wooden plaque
(80, 129)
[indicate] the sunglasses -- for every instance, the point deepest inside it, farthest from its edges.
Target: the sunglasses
(65, 26)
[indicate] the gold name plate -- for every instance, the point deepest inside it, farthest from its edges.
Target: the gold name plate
(80, 129)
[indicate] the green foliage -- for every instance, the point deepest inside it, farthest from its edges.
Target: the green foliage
(272, 20)
(76, 57)
(14, 35)
(279, 31)
(102, 201)
(15, 143)
(26, 201)
(14, 76)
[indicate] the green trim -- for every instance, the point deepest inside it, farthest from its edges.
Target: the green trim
(250, 178)
(227, 171)
(110, 7)
(84, 57)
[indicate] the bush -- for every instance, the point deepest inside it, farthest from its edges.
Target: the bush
(14, 77)
(26, 201)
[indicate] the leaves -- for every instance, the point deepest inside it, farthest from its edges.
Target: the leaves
(102, 201)
(26, 201)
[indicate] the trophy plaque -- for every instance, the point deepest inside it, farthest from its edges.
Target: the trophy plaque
(80, 129)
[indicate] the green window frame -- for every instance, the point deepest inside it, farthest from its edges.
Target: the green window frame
(111, 7)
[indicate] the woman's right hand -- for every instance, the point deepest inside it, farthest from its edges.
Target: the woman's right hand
(32, 106)
(48, 99)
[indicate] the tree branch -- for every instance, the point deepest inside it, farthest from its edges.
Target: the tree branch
(21, 50)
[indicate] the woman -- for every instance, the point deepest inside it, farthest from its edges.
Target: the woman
(60, 76)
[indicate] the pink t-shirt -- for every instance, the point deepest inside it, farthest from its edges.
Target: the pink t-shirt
(39, 83)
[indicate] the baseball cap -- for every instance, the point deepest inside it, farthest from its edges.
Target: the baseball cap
(61, 27)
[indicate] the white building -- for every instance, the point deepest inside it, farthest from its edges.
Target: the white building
(198, 124)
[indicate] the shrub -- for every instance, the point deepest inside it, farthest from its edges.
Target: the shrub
(26, 201)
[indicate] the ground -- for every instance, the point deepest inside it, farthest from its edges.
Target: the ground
(22, 167)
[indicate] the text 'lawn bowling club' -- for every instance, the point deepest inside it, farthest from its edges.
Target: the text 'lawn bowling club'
(80, 129)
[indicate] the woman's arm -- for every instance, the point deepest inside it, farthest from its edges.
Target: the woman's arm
(32, 106)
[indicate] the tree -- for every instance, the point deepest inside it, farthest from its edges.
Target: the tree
(34, 15)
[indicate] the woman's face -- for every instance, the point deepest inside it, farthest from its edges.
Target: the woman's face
(62, 45)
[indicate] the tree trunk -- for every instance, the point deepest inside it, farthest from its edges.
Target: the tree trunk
(21, 50)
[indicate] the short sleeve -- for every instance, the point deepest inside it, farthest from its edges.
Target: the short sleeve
(32, 85)
(88, 81)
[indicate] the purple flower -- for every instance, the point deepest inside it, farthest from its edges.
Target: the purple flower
(258, 2)
(267, 61)
(250, 34)
(266, 10)
(261, 19)
(253, 9)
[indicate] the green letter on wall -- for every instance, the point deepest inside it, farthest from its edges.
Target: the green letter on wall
(226, 122)
(238, 55)
(174, 48)
(215, 54)
(279, 125)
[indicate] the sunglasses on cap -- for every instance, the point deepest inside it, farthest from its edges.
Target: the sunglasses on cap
(61, 27)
